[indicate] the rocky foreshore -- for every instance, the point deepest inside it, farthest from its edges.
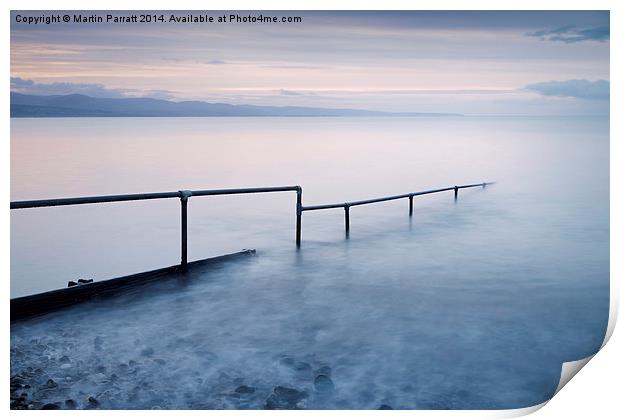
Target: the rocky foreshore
(31, 389)
(22, 393)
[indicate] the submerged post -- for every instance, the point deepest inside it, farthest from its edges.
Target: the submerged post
(456, 192)
(410, 205)
(298, 224)
(346, 219)
(184, 197)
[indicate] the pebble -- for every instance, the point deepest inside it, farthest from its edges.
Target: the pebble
(324, 370)
(302, 367)
(99, 378)
(285, 398)
(50, 384)
(385, 407)
(50, 406)
(287, 361)
(323, 384)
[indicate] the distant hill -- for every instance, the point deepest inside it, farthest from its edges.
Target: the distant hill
(32, 106)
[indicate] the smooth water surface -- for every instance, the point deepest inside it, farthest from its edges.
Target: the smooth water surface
(469, 304)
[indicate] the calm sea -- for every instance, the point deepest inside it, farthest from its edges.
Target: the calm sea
(473, 304)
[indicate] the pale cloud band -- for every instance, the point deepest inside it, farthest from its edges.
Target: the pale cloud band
(393, 61)
(580, 89)
(571, 34)
(96, 90)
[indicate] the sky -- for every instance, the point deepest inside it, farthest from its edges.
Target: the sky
(471, 62)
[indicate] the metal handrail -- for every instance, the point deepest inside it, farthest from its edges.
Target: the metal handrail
(393, 197)
(27, 204)
(348, 205)
(181, 194)
(184, 196)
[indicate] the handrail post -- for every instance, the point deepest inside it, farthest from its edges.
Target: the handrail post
(346, 219)
(410, 205)
(456, 192)
(299, 211)
(184, 195)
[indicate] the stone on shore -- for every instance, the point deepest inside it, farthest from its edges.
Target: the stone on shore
(244, 389)
(323, 384)
(284, 398)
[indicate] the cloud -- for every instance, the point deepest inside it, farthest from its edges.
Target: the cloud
(571, 34)
(580, 89)
(216, 61)
(30, 87)
(159, 94)
(289, 92)
(96, 90)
